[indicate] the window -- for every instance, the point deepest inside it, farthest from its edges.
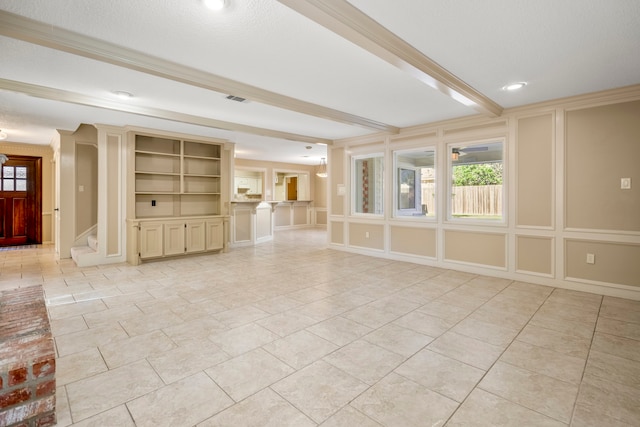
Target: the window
(14, 178)
(414, 183)
(476, 176)
(248, 184)
(367, 183)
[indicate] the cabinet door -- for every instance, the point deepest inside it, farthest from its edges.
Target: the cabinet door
(150, 240)
(174, 238)
(195, 236)
(253, 186)
(215, 234)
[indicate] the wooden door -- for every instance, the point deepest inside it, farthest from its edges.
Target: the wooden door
(292, 188)
(21, 201)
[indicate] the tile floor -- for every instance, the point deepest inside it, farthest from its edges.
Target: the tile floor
(290, 333)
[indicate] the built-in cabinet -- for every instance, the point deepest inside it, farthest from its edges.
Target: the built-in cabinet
(178, 196)
(179, 237)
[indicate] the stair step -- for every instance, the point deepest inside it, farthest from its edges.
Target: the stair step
(92, 242)
(78, 251)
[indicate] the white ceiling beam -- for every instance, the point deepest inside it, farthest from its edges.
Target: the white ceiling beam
(36, 32)
(52, 94)
(349, 22)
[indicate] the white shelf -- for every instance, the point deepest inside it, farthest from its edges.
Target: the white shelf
(157, 173)
(157, 153)
(201, 157)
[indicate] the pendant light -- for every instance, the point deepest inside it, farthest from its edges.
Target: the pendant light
(322, 169)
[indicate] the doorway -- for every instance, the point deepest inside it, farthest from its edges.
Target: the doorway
(292, 188)
(21, 201)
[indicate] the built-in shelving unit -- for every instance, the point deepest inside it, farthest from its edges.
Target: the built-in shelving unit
(178, 195)
(175, 178)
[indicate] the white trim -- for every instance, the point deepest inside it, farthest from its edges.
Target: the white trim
(407, 257)
(618, 233)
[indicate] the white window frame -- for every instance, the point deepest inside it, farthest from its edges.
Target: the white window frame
(502, 221)
(417, 212)
(379, 200)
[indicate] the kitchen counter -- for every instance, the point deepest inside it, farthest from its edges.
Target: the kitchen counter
(251, 221)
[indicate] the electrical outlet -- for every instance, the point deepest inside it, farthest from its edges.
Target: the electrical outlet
(625, 183)
(591, 258)
(366, 234)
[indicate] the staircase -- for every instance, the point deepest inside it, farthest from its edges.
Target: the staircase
(84, 256)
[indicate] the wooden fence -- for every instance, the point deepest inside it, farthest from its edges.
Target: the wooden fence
(477, 200)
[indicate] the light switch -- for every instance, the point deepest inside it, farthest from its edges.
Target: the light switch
(625, 183)
(591, 258)
(80, 188)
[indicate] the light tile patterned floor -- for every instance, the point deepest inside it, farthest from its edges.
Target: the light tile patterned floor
(290, 333)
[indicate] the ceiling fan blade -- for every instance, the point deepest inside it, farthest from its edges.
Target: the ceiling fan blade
(472, 149)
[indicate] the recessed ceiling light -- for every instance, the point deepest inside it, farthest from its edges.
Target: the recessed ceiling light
(514, 86)
(215, 4)
(122, 94)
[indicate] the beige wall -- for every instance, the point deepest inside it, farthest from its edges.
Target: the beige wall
(44, 151)
(367, 235)
(413, 241)
(535, 183)
(475, 248)
(337, 178)
(263, 223)
(563, 162)
(242, 229)
(603, 146)
(337, 233)
(321, 217)
(616, 263)
(534, 254)
(86, 186)
(114, 145)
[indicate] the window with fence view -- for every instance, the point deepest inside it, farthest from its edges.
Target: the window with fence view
(477, 181)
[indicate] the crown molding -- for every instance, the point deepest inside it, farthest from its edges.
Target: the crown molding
(80, 99)
(585, 100)
(32, 31)
(347, 21)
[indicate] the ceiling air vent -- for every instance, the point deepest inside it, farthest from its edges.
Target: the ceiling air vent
(236, 98)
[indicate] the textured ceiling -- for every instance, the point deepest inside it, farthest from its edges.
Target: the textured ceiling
(306, 82)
